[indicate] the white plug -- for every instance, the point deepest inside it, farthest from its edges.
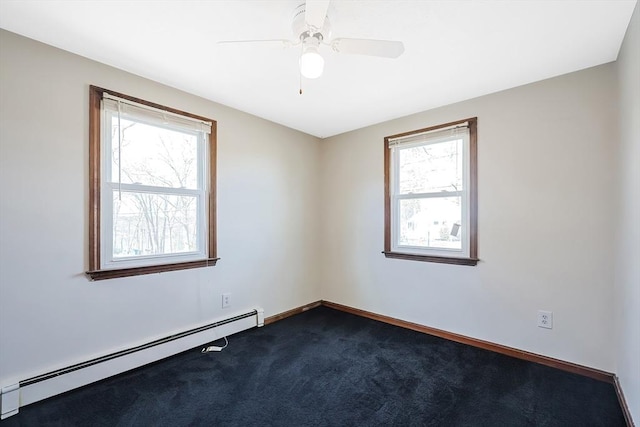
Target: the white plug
(215, 347)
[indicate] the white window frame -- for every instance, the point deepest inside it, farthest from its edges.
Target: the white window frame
(464, 130)
(396, 197)
(137, 114)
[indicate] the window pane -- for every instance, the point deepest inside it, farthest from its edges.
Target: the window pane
(153, 155)
(431, 223)
(153, 224)
(431, 168)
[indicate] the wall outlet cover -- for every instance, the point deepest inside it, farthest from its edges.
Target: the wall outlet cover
(545, 319)
(226, 300)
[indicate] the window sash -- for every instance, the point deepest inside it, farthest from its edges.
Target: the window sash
(108, 117)
(396, 197)
(112, 261)
(425, 249)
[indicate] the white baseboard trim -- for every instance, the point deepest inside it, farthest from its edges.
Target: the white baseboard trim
(49, 384)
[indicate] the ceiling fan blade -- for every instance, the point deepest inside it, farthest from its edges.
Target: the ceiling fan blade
(276, 42)
(316, 12)
(382, 48)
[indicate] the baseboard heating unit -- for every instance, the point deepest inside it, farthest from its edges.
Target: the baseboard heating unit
(49, 384)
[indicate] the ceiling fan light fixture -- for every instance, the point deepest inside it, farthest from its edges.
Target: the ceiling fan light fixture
(311, 62)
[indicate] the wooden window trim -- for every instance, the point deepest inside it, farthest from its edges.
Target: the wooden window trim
(473, 199)
(94, 272)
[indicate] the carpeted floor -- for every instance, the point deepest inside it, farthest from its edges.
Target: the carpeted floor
(329, 368)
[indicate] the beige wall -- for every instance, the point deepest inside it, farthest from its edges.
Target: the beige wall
(546, 222)
(627, 272)
(50, 315)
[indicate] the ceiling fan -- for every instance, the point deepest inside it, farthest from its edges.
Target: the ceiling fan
(312, 29)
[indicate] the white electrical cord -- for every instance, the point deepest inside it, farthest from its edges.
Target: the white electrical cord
(216, 348)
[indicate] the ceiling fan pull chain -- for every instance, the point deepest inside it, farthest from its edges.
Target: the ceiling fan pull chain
(300, 74)
(300, 71)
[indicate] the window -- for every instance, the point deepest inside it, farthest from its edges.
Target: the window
(152, 187)
(431, 194)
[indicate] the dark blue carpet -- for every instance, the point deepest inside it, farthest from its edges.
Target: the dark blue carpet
(329, 368)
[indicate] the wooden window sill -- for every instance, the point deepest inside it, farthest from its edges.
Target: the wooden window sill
(150, 269)
(431, 258)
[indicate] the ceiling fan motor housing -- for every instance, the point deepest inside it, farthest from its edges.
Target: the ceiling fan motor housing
(302, 31)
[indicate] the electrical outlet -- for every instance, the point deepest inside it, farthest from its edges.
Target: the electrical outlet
(226, 300)
(545, 319)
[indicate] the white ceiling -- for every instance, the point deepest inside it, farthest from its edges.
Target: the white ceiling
(454, 50)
